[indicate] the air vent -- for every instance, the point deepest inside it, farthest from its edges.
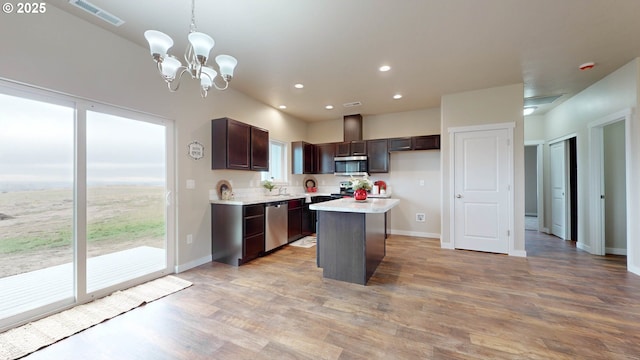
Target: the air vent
(96, 11)
(352, 104)
(541, 100)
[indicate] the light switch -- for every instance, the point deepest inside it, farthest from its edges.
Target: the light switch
(421, 182)
(191, 184)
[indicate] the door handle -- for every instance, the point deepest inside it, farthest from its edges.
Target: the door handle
(459, 196)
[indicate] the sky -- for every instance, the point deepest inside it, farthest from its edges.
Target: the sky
(37, 147)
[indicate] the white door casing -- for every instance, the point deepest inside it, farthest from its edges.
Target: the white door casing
(557, 154)
(482, 190)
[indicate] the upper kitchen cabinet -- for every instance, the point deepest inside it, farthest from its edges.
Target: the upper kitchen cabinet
(378, 154)
(303, 157)
(400, 144)
(351, 148)
(259, 149)
(238, 146)
(325, 154)
(427, 142)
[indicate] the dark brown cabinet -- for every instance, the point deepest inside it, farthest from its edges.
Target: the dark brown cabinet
(238, 146)
(427, 142)
(352, 148)
(294, 219)
(325, 154)
(400, 144)
(378, 154)
(237, 233)
(259, 149)
(303, 157)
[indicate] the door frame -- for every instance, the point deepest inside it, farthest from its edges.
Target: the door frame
(539, 144)
(596, 179)
(509, 126)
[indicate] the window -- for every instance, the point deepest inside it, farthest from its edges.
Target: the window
(277, 162)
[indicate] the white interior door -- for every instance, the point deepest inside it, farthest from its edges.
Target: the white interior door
(557, 153)
(481, 190)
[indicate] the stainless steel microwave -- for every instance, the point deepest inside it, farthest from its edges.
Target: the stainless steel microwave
(351, 165)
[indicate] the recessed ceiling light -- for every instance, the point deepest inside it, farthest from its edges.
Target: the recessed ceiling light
(329, 107)
(298, 86)
(528, 110)
(384, 68)
(397, 96)
(282, 107)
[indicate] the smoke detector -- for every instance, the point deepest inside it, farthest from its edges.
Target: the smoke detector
(587, 66)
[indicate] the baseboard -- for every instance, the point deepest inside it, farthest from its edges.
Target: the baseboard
(582, 246)
(414, 233)
(615, 251)
(194, 263)
(518, 253)
(545, 230)
(633, 269)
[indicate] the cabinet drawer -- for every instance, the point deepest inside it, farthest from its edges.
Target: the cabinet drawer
(253, 210)
(253, 225)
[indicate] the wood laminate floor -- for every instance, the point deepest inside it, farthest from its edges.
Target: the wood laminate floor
(423, 302)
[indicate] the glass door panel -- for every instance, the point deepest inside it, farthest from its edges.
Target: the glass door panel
(126, 191)
(36, 205)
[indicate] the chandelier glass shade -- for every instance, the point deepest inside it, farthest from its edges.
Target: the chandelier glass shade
(196, 56)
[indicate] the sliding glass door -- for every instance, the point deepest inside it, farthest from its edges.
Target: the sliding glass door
(85, 201)
(126, 192)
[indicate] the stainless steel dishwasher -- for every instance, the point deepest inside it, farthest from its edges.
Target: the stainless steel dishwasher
(276, 224)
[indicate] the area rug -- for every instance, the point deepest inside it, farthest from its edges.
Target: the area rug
(23, 340)
(305, 242)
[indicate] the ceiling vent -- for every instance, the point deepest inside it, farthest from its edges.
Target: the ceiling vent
(541, 100)
(352, 104)
(96, 11)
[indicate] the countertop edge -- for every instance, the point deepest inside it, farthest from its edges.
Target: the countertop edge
(350, 205)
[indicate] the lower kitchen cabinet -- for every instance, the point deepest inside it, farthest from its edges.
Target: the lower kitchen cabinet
(237, 233)
(294, 220)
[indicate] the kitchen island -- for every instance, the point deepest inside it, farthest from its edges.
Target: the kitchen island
(351, 239)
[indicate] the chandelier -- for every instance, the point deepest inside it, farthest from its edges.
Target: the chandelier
(196, 55)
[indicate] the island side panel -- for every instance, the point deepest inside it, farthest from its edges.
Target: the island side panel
(375, 246)
(341, 241)
(226, 233)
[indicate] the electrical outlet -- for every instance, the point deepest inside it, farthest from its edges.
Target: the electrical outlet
(421, 182)
(420, 217)
(189, 239)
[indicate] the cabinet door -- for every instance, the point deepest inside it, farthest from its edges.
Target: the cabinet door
(308, 221)
(238, 145)
(325, 158)
(259, 149)
(295, 224)
(343, 149)
(378, 153)
(400, 144)
(358, 148)
(427, 142)
(302, 157)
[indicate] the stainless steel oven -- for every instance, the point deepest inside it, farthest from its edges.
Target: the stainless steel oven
(351, 165)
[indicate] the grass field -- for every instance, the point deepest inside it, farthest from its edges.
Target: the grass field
(37, 228)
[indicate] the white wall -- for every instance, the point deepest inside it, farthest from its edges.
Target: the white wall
(60, 52)
(488, 106)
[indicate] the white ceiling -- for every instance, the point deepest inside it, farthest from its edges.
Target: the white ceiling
(435, 47)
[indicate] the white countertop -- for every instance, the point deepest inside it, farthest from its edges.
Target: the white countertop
(263, 199)
(371, 205)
